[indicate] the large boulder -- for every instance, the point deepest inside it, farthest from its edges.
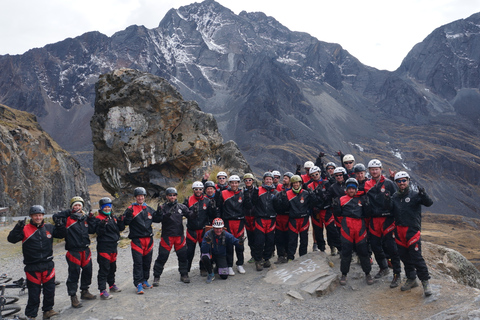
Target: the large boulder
(145, 134)
(33, 168)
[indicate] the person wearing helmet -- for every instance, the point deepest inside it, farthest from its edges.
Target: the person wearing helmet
(248, 180)
(382, 222)
(306, 177)
(108, 229)
(200, 204)
(276, 180)
(212, 194)
(322, 215)
(37, 248)
(171, 215)
(281, 224)
(78, 225)
(222, 179)
(233, 215)
(406, 205)
(330, 167)
(348, 161)
(336, 191)
(353, 209)
(139, 217)
(298, 202)
(262, 201)
(214, 249)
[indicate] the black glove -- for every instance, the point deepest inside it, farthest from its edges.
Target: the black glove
(241, 241)
(91, 214)
(421, 191)
(21, 223)
(129, 213)
(121, 218)
(104, 222)
(209, 240)
(335, 202)
(321, 155)
(59, 222)
(299, 168)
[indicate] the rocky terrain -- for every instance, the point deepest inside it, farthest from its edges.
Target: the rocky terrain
(33, 167)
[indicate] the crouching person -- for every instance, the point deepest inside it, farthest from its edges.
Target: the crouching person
(214, 248)
(108, 234)
(37, 248)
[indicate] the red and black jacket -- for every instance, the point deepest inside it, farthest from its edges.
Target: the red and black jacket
(140, 221)
(376, 195)
(110, 231)
(205, 212)
(321, 186)
(77, 229)
(248, 210)
(407, 208)
(231, 205)
(299, 204)
(171, 215)
(263, 202)
(352, 207)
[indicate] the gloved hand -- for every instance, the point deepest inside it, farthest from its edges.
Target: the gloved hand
(91, 214)
(339, 152)
(421, 191)
(21, 223)
(321, 155)
(241, 241)
(59, 222)
(335, 202)
(121, 218)
(129, 213)
(209, 240)
(299, 167)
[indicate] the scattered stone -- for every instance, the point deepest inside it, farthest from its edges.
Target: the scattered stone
(295, 294)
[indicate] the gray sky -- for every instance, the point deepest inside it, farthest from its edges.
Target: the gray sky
(378, 32)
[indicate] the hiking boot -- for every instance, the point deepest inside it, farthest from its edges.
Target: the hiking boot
(86, 295)
(230, 271)
(333, 251)
(140, 289)
(203, 273)
(210, 277)
(104, 295)
(50, 313)
(184, 278)
(395, 281)
(156, 281)
(147, 285)
(252, 260)
(343, 280)
(240, 269)
(281, 259)
(75, 302)
(267, 264)
(259, 265)
(369, 279)
(114, 288)
(381, 273)
(315, 247)
(427, 289)
(409, 284)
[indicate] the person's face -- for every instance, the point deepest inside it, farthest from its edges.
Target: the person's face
(375, 172)
(330, 170)
(248, 182)
(198, 191)
(233, 185)
(140, 198)
(315, 176)
(222, 180)
(360, 176)
(210, 191)
(286, 180)
(217, 231)
(339, 177)
(276, 179)
(402, 183)
(349, 164)
(107, 209)
(37, 218)
(268, 181)
(77, 207)
(351, 191)
(296, 185)
(171, 197)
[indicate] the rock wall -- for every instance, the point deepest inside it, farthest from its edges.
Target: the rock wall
(33, 168)
(145, 134)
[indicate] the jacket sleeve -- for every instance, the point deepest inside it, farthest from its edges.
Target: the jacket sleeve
(425, 199)
(128, 215)
(121, 223)
(205, 247)
(187, 213)
(16, 234)
(92, 224)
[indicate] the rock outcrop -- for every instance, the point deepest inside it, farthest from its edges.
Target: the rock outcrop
(33, 168)
(145, 134)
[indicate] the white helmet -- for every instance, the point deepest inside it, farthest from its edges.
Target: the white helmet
(308, 165)
(375, 163)
(197, 184)
(234, 178)
(222, 173)
(331, 164)
(276, 173)
(314, 169)
(401, 174)
(339, 170)
(348, 157)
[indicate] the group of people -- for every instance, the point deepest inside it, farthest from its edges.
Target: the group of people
(361, 212)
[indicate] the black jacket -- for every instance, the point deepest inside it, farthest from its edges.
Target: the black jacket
(139, 219)
(298, 205)
(262, 199)
(231, 205)
(376, 195)
(204, 210)
(108, 228)
(407, 208)
(171, 215)
(77, 229)
(355, 207)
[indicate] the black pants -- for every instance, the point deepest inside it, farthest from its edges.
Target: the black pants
(382, 242)
(79, 267)
(250, 228)
(142, 258)
(281, 235)
(107, 266)
(264, 238)
(354, 234)
(297, 228)
(166, 245)
(194, 237)
(36, 280)
(410, 250)
(220, 262)
(237, 229)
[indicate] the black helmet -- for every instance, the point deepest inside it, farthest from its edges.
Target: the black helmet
(359, 167)
(139, 191)
(351, 183)
(104, 201)
(209, 184)
(268, 174)
(171, 191)
(36, 209)
(288, 174)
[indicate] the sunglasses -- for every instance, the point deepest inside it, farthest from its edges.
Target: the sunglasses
(348, 162)
(171, 195)
(339, 175)
(401, 180)
(197, 189)
(221, 178)
(248, 180)
(330, 168)
(314, 174)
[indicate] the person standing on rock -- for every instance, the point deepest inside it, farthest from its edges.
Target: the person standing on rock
(233, 215)
(353, 209)
(108, 229)
(200, 204)
(37, 247)
(406, 205)
(249, 214)
(78, 225)
(382, 222)
(281, 223)
(265, 210)
(171, 215)
(139, 217)
(214, 249)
